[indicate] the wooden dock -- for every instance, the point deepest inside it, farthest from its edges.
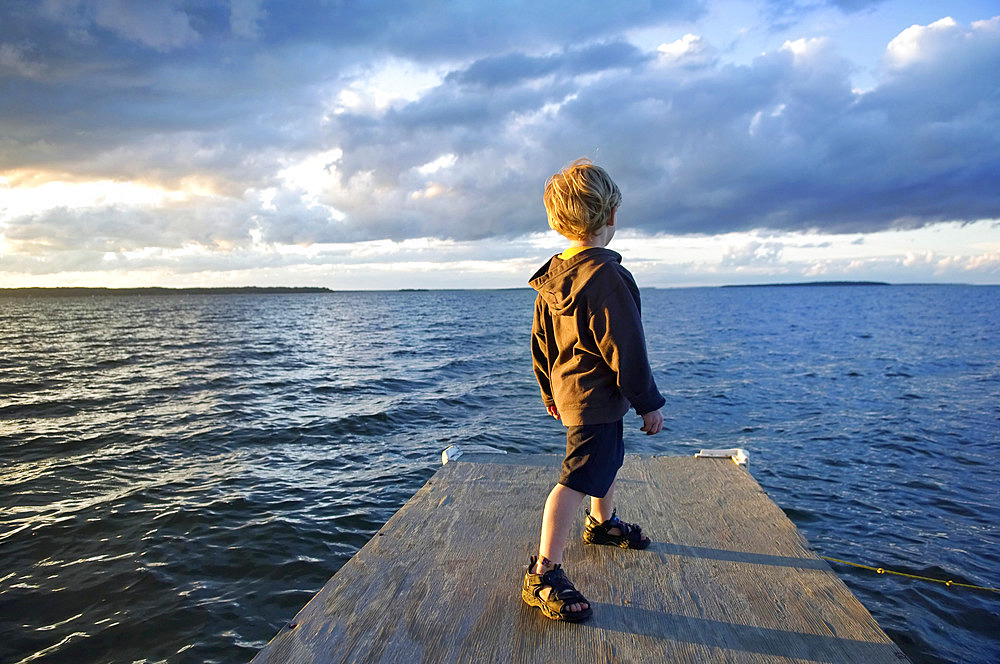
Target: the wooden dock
(727, 579)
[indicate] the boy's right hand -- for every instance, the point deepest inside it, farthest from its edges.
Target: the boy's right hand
(652, 422)
(553, 411)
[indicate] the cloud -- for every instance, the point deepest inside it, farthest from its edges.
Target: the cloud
(518, 67)
(783, 143)
(753, 253)
(16, 61)
(784, 13)
(372, 121)
(245, 17)
(157, 24)
(690, 50)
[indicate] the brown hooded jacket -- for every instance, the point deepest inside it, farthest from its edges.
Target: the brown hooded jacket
(587, 343)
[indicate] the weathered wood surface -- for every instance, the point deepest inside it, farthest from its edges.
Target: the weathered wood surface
(727, 579)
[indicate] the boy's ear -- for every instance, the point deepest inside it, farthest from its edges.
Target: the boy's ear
(611, 219)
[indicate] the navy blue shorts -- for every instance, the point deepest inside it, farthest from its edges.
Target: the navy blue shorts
(594, 453)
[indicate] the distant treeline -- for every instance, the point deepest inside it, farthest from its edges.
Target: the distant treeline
(62, 292)
(811, 283)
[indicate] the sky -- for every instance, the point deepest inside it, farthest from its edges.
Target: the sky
(393, 144)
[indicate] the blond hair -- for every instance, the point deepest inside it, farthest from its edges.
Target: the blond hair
(579, 199)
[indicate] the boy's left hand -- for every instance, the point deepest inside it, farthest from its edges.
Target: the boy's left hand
(553, 411)
(652, 422)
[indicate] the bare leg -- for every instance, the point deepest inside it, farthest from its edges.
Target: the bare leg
(602, 508)
(560, 510)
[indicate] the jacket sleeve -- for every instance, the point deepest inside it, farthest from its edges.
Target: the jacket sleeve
(617, 328)
(539, 353)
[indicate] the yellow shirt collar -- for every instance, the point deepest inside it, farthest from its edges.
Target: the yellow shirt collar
(572, 251)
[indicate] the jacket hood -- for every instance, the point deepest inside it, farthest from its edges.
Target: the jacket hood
(560, 282)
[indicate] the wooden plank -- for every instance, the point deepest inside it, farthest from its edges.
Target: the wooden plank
(727, 579)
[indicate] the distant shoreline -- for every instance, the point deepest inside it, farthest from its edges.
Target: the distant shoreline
(157, 290)
(810, 283)
(84, 291)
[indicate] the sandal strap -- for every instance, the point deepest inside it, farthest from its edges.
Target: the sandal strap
(562, 591)
(630, 531)
(562, 588)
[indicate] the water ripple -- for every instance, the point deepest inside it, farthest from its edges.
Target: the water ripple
(181, 474)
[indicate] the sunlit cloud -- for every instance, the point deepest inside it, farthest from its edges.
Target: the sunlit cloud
(919, 42)
(965, 253)
(767, 141)
(22, 201)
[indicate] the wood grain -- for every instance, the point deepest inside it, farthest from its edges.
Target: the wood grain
(727, 579)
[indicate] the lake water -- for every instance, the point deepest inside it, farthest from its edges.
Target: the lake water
(180, 474)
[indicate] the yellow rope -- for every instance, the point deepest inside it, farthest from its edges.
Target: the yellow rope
(882, 570)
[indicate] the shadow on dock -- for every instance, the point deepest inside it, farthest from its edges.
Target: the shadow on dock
(728, 578)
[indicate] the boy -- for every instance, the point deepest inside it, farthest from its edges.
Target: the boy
(589, 356)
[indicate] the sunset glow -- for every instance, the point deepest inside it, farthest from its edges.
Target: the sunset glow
(751, 142)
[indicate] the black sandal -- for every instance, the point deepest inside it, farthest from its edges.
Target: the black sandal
(561, 597)
(631, 535)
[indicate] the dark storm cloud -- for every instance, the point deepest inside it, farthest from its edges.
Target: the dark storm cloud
(783, 143)
(89, 77)
(232, 94)
(516, 67)
(785, 13)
